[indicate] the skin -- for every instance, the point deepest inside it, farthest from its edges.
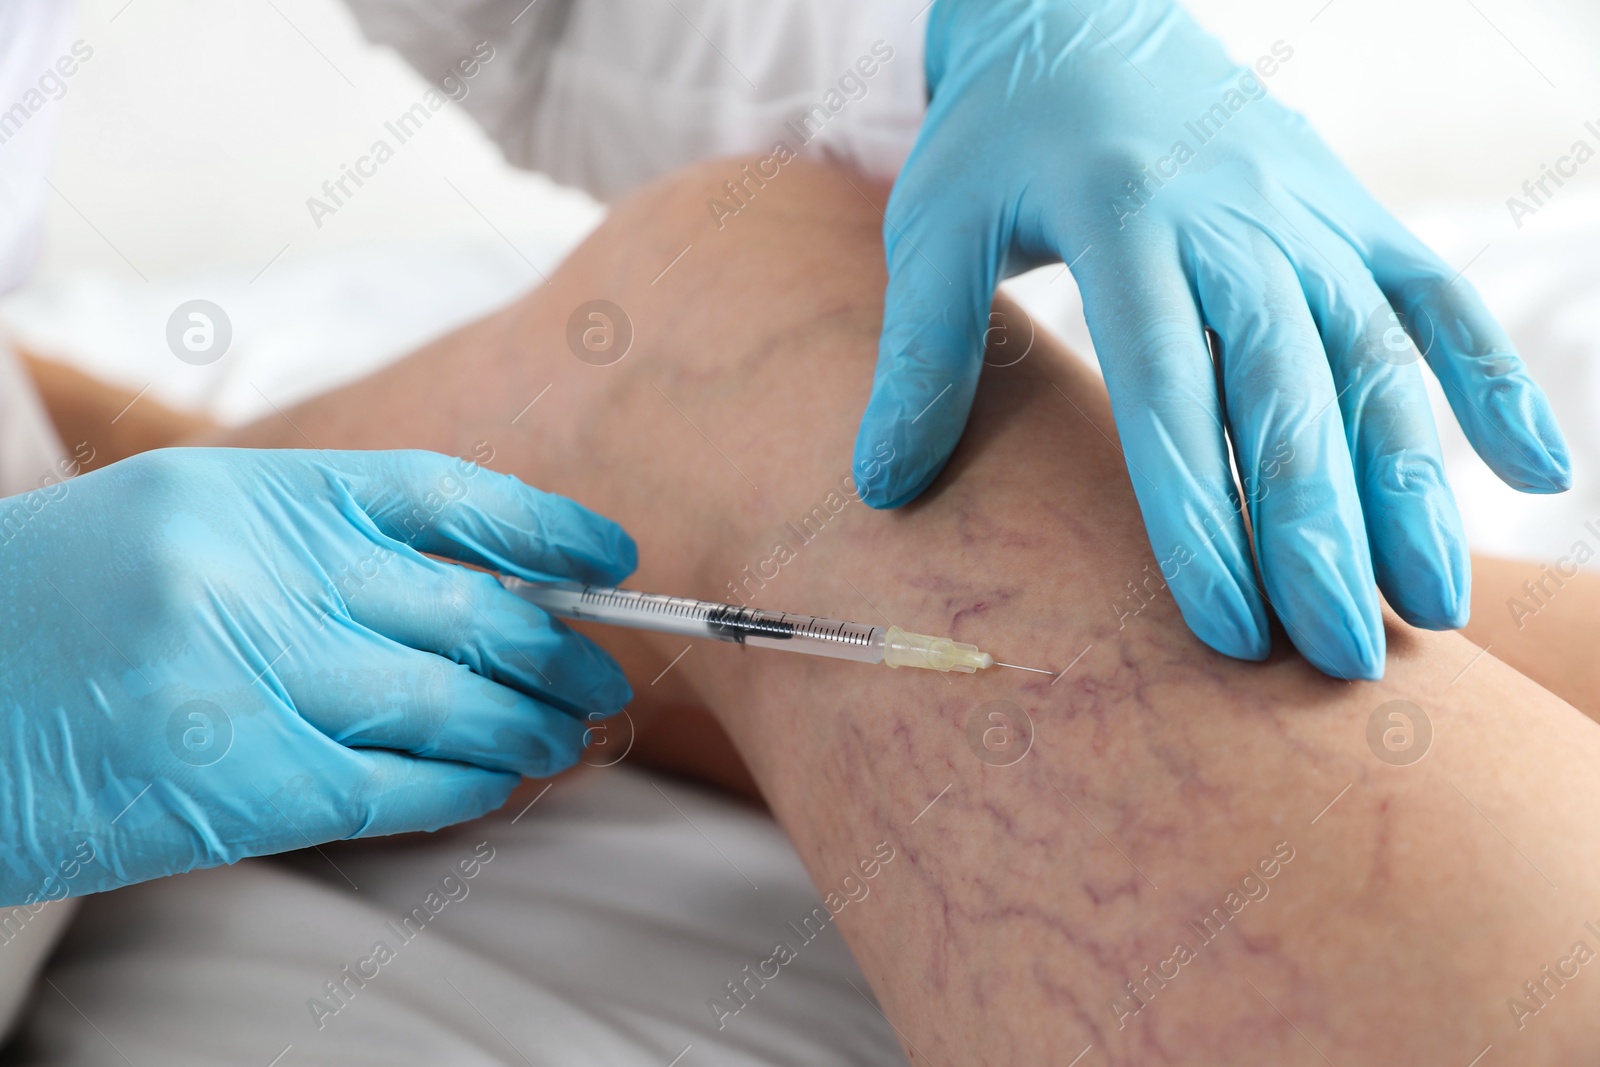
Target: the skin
(100, 423)
(1405, 904)
(1542, 619)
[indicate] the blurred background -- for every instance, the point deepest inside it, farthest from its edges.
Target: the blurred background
(192, 139)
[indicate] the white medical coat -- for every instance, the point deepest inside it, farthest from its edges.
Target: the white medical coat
(607, 94)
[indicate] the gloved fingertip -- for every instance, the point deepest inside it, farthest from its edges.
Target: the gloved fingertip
(1449, 617)
(602, 552)
(1440, 602)
(615, 695)
(608, 691)
(1554, 443)
(1354, 653)
(1330, 608)
(1369, 667)
(484, 792)
(1558, 472)
(1440, 609)
(890, 471)
(912, 423)
(1540, 483)
(1523, 442)
(557, 755)
(1235, 639)
(878, 499)
(1356, 662)
(887, 497)
(1550, 470)
(444, 794)
(873, 489)
(881, 466)
(1421, 557)
(623, 559)
(1229, 622)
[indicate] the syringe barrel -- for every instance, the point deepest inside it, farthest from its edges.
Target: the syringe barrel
(615, 607)
(706, 619)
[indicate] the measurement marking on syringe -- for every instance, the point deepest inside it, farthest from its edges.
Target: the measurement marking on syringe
(750, 626)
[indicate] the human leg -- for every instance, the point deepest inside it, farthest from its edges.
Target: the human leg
(1542, 619)
(1196, 860)
(104, 422)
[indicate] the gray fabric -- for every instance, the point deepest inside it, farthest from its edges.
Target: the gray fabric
(593, 927)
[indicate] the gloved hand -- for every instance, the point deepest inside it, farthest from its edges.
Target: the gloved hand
(1117, 136)
(207, 654)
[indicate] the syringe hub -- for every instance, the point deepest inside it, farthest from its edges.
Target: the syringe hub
(902, 648)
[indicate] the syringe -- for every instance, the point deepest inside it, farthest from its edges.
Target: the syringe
(751, 626)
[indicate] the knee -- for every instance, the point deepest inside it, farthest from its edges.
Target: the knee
(728, 216)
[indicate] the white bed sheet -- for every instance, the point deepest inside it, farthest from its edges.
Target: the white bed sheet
(608, 916)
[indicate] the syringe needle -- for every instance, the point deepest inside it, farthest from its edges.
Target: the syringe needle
(1019, 667)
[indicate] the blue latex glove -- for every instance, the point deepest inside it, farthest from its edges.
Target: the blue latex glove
(1053, 134)
(207, 654)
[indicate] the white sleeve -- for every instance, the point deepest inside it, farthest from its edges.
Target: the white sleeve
(36, 56)
(37, 62)
(607, 94)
